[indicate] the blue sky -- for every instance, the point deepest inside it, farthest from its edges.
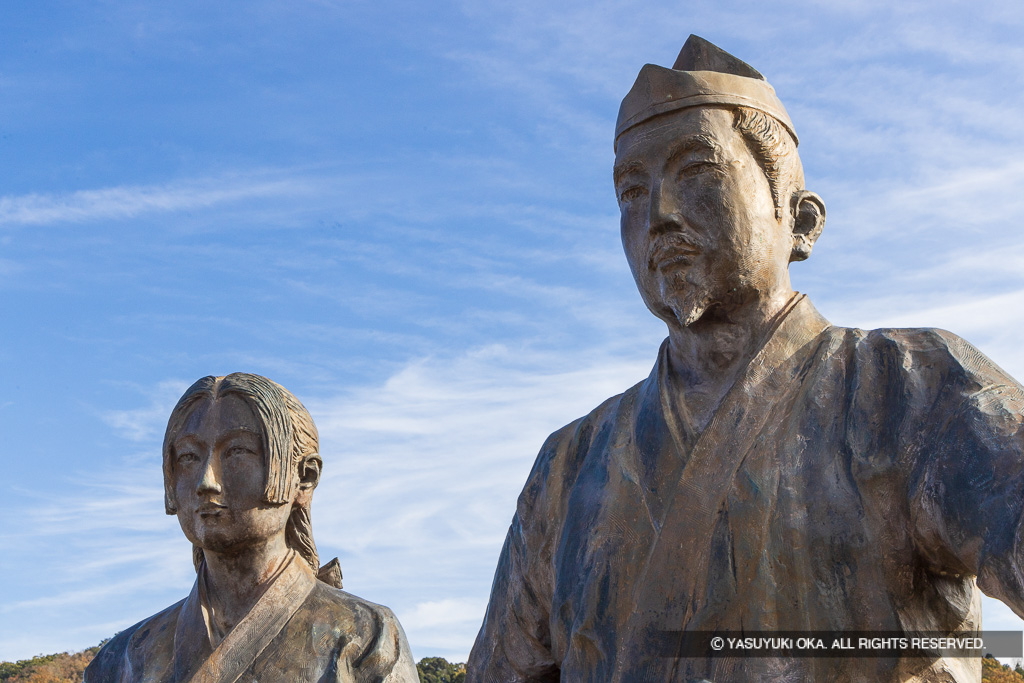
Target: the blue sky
(403, 213)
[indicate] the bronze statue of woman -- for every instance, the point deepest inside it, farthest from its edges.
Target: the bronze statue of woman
(241, 460)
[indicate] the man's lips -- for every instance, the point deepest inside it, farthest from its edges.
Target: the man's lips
(667, 254)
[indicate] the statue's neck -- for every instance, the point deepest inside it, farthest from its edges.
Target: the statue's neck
(707, 355)
(235, 580)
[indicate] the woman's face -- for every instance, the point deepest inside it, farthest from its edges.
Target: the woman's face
(220, 478)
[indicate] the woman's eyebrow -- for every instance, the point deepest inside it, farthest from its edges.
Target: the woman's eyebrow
(236, 432)
(188, 437)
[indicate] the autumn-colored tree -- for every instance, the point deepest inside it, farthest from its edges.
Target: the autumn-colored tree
(66, 667)
(994, 672)
(69, 667)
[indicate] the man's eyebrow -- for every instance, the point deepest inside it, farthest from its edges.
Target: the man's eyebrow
(624, 168)
(693, 143)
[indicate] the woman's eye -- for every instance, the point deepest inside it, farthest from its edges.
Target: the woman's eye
(238, 450)
(632, 192)
(187, 458)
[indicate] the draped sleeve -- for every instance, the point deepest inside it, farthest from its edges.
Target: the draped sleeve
(956, 427)
(515, 640)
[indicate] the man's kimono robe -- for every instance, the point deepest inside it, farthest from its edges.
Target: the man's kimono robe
(849, 481)
(300, 630)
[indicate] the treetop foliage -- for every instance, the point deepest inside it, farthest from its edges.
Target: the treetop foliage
(440, 670)
(68, 667)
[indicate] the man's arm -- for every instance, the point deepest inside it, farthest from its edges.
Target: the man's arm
(515, 643)
(967, 491)
(106, 666)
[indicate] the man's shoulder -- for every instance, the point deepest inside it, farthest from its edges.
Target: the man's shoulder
(900, 336)
(564, 454)
(910, 338)
(917, 370)
(360, 619)
(572, 438)
(581, 427)
(150, 632)
(924, 350)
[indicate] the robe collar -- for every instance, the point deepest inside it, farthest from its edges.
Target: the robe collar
(203, 655)
(793, 326)
(693, 481)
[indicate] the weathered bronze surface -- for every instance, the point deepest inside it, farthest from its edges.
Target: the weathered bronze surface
(241, 461)
(774, 472)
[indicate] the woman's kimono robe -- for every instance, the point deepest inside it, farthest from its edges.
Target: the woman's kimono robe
(300, 630)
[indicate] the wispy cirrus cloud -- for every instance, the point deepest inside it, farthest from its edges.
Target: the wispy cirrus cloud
(147, 423)
(447, 624)
(104, 542)
(135, 200)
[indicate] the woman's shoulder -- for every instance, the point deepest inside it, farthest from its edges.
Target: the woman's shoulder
(154, 633)
(368, 633)
(348, 610)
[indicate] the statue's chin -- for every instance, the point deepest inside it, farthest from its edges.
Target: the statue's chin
(688, 307)
(692, 314)
(217, 540)
(684, 296)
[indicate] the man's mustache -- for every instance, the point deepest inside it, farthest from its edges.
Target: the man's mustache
(672, 247)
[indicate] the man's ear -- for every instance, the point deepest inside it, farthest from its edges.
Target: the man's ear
(808, 222)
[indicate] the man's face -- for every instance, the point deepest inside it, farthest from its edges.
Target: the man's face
(220, 476)
(697, 216)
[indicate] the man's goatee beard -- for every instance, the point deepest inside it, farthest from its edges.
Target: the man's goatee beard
(691, 308)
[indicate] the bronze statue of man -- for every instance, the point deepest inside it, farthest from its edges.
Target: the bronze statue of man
(774, 472)
(241, 460)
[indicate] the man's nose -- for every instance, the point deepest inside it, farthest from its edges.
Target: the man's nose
(664, 210)
(210, 481)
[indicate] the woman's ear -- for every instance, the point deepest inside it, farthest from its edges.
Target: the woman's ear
(309, 477)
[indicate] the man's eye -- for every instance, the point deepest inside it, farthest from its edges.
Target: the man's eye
(695, 168)
(632, 192)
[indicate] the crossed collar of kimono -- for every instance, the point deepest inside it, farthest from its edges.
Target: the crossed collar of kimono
(699, 484)
(225, 657)
(797, 323)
